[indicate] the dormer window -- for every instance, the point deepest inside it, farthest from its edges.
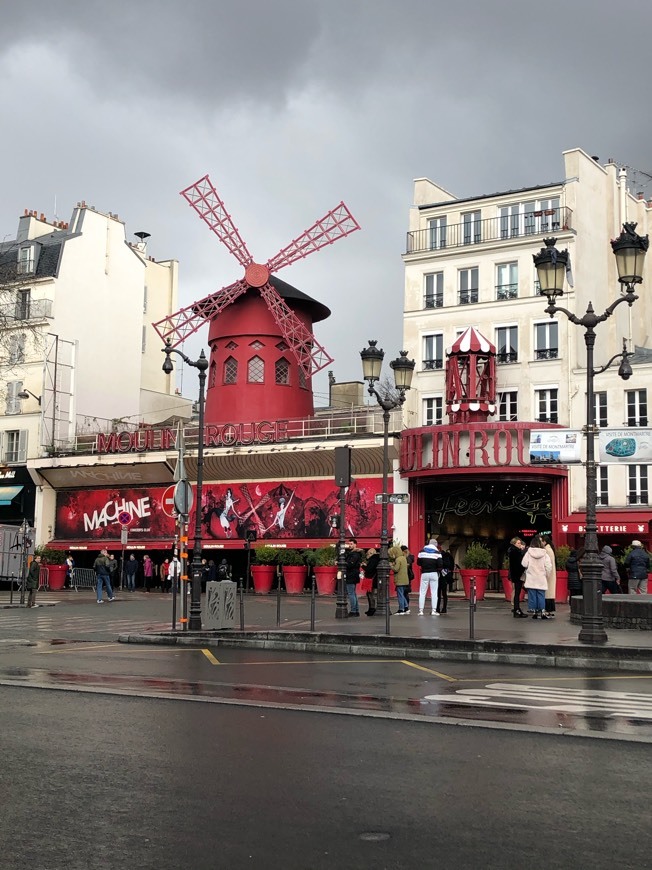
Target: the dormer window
(26, 260)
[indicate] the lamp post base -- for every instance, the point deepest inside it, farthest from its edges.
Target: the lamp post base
(593, 633)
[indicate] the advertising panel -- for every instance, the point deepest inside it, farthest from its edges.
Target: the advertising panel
(555, 446)
(271, 509)
(633, 446)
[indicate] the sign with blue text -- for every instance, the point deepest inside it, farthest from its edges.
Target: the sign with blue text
(550, 446)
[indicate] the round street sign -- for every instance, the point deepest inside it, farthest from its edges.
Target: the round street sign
(183, 498)
(124, 518)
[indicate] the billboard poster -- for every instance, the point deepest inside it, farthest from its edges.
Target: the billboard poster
(562, 446)
(273, 510)
(630, 445)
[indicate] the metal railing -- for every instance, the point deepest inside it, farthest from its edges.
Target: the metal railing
(35, 309)
(83, 578)
(506, 291)
(494, 229)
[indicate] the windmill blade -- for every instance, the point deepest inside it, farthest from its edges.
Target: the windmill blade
(203, 197)
(333, 226)
(177, 327)
(310, 355)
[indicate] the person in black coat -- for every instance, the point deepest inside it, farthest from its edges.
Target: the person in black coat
(574, 576)
(515, 554)
(353, 562)
(371, 573)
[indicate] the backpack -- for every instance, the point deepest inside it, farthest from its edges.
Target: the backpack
(223, 572)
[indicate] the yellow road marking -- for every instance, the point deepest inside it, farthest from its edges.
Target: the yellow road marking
(211, 658)
(430, 671)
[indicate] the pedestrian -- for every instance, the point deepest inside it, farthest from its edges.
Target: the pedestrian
(551, 591)
(637, 563)
(163, 575)
(103, 573)
(431, 563)
(174, 573)
(445, 580)
(398, 564)
(148, 572)
(537, 567)
(371, 574)
(113, 569)
(516, 573)
(610, 576)
(131, 569)
(410, 570)
(574, 574)
(353, 563)
(222, 571)
(70, 570)
(32, 580)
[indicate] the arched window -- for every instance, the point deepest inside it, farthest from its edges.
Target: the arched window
(212, 375)
(256, 370)
(282, 371)
(230, 370)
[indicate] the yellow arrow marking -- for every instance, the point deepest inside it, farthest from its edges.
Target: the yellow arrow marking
(211, 658)
(429, 671)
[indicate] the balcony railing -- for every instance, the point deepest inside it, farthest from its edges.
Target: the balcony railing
(467, 297)
(507, 356)
(431, 364)
(490, 230)
(506, 291)
(36, 309)
(547, 353)
(434, 300)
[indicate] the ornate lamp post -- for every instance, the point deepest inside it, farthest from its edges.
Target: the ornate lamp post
(551, 264)
(201, 365)
(372, 363)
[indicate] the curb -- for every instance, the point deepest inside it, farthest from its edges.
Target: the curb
(488, 651)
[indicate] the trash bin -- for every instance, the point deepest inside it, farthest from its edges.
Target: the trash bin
(220, 604)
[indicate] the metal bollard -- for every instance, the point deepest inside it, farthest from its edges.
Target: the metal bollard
(472, 605)
(11, 589)
(241, 606)
(278, 600)
(312, 604)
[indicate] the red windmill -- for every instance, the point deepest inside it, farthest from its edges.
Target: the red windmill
(471, 378)
(250, 375)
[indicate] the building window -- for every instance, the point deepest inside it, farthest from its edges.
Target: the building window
(600, 410)
(526, 218)
(256, 370)
(23, 304)
(507, 344)
(256, 344)
(434, 290)
(472, 227)
(546, 340)
(433, 411)
(144, 340)
(468, 286)
(433, 352)
(637, 484)
(636, 407)
(212, 375)
(282, 346)
(303, 380)
(15, 446)
(13, 405)
(230, 370)
(506, 281)
(282, 372)
(603, 485)
(437, 232)
(26, 260)
(546, 406)
(145, 299)
(508, 406)
(16, 348)
(231, 345)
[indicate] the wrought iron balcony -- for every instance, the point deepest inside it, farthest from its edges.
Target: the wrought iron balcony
(547, 353)
(496, 229)
(434, 300)
(431, 364)
(507, 356)
(467, 297)
(506, 291)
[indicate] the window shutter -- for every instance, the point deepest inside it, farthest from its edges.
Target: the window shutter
(13, 402)
(2, 447)
(22, 445)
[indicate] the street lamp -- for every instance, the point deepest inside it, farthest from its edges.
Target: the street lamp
(201, 365)
(25, 394)
(403, 368)
(551, 264)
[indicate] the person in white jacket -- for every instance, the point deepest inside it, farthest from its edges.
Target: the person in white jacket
(537, 566)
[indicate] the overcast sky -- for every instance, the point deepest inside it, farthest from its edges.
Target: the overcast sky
(293, 105)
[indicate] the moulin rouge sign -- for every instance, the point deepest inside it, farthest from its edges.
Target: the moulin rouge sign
(223, 435)
(475, 445)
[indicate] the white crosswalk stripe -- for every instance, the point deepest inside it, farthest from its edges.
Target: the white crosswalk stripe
(562, 699)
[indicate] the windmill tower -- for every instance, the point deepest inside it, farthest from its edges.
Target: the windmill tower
(263, 353)
(471, 378)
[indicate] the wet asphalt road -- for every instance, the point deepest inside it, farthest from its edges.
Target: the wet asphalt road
(94, 781)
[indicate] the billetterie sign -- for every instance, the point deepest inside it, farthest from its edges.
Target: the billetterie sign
(221, 435)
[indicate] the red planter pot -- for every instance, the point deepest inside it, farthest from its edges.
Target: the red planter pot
(56, 577)
(561, 589)
(481, 576)
(295, 578)
(326, 579)
(263, 577)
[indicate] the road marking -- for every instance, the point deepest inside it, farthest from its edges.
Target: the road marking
(429, 671)
(211, 658)
(622, 676)
(559, 699)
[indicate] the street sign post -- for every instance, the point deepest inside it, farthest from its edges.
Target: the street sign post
(183, 498)
(393, 498)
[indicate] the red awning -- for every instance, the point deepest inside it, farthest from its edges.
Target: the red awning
(610, 523)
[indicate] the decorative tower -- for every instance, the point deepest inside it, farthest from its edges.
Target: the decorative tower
(471, 378)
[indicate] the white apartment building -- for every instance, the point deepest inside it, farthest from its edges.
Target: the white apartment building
(469, 263)
(77, 347)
